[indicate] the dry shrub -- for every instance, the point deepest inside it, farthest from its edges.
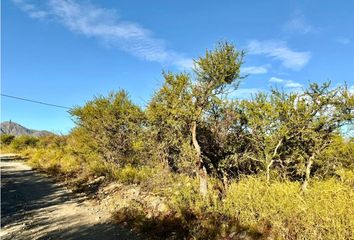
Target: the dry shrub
(324, 212)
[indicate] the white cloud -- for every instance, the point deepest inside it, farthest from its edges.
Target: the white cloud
(343, 40)
(185, 63)
(255, 69)
(245, 93)
(298, 24)
(276, 80)
(292, 84)
(286, 82)
(30, 9)
(278, 50)
(105, 25)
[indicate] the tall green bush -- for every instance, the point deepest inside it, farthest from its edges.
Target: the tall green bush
(115, 124)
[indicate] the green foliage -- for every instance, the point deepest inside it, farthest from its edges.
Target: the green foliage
(6, 139)
(337, 156)
(215, 71)
(132, 175)
(191, 128)
(220, 66)
(52, 141)
(114, 123)
(80, 144)
(22, 142)
(169, 118)
(54, 161)
(288, 132)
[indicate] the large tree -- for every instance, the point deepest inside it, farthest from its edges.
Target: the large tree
(215, 72)
(264, 129)
(321, 111)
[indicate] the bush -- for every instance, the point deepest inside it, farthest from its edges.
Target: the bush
(6, 139)
(52, 141)
(324, 212)
(22, 142)
(114, 123)
(133, 175)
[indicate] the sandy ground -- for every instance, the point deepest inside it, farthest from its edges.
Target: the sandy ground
(34, 207)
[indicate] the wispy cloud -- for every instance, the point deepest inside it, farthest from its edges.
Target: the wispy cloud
(285, 82)
(276, 80)
(279, 50)
(292, 84)
(343, 40)
(245, 93)
(184, 63)
(298, 24)
(255, 69)
(31, 9)
(105, 25)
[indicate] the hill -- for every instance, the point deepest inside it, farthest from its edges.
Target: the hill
(18, 130)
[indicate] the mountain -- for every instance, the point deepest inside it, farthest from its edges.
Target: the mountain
(18, 130)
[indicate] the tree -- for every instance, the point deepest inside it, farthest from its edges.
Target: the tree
(264, 130)
(222, 137)
(338, 155)
(169, 118)
(215, 71)
(312, 119)
(325, 110)
(115, 123)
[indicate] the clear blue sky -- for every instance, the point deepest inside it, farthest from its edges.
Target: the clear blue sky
(68, 51)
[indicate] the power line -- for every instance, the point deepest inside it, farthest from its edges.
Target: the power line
(34, 101)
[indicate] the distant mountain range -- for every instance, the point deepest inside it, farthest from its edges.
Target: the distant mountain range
(18, 130)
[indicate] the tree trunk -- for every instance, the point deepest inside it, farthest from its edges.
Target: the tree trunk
(201, 170)
(268, 170)
(225, 180)
(307, 173)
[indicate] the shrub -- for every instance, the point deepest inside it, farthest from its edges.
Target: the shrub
(52, 141)
(6, 139)
(133, 175)
(324, 212)
(114, 123)
(22, 142)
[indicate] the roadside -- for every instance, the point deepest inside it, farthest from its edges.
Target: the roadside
(34, 207)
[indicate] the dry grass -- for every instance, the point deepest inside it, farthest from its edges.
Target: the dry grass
(250, 207)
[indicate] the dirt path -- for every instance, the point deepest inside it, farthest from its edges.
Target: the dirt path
(34, 207)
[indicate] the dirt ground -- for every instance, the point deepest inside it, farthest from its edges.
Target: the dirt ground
(35, 207)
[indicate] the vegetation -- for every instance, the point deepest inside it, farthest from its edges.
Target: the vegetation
(272, 167)
(12, 143)
(6, 139)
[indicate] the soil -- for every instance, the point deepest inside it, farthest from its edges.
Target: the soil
(33, 206)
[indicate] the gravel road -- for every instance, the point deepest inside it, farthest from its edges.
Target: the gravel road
(35, 207)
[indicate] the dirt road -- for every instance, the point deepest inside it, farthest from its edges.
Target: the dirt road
(34, 207)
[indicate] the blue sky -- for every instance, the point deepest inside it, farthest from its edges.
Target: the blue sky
(68, 51)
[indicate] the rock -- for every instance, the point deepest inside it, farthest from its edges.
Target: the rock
(244, 235)
(231, 235)
(96, 180)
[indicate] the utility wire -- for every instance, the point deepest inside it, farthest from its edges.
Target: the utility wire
(34, 101)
